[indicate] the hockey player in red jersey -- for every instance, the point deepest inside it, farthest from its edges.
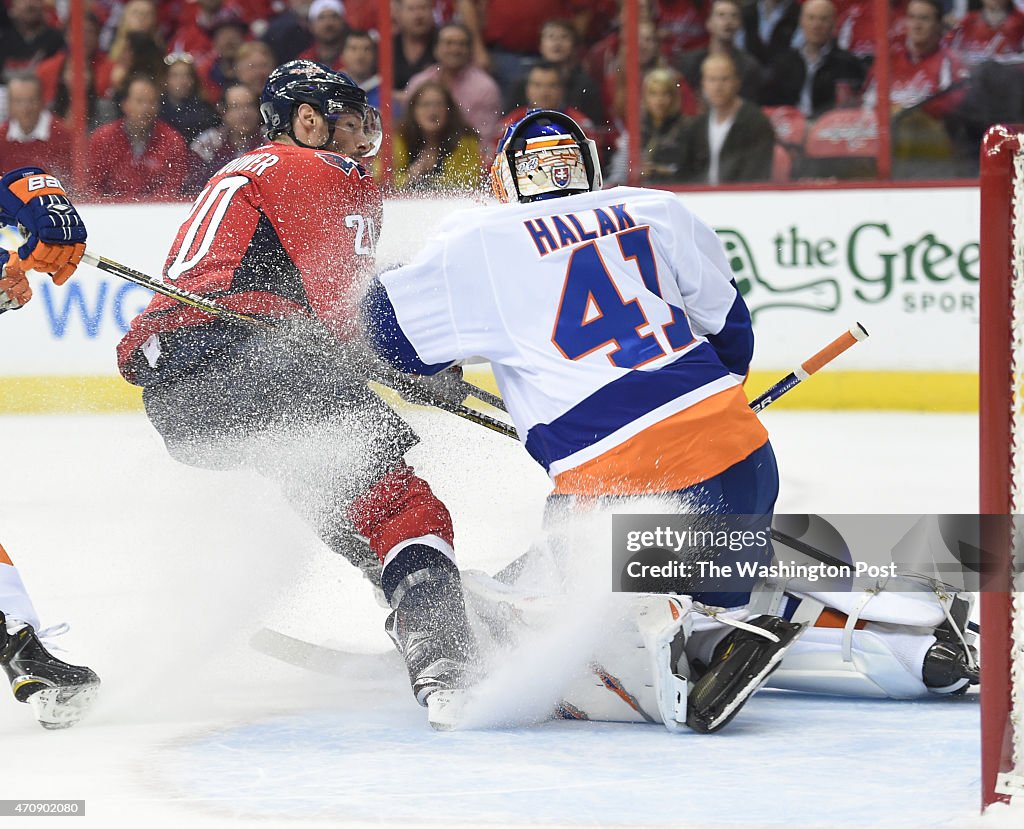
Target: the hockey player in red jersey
(287, 233)
(59, 693)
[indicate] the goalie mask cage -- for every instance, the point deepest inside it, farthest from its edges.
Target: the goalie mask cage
(1002, 462)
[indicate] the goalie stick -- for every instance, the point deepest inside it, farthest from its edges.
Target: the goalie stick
(381, 373)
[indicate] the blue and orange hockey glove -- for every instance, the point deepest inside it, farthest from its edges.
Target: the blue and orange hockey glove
(36, 201)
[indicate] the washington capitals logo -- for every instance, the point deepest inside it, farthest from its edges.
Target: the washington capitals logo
(343, 163)
(560, 176)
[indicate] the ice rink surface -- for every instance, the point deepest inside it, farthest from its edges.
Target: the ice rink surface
(165, 571)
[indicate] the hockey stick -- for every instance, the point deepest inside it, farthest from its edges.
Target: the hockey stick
(840, 344)
(392, 378)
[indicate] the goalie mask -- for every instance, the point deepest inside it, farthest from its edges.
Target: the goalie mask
(544, 156)
(333, 94)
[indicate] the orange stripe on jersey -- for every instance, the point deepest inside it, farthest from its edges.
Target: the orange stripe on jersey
(682, 450)
(4, 558)
(20, 188)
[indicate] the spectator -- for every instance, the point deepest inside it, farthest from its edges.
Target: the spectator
(506, 34)
(32, 136)
(182, 104)
(100, 109)
(725, 20)
(996, 29)
(27, 40)
(928, 83)
(663, 133)
(97, 64)
(288, 33)
(138, 157)
(327, 26)
(138, 16)
(196, 36)
(614, 91)
(359, 62)
(218, 68)
(681, 26)
(141, 54)
(240, 133)
(768, 28)
(558, 46)
(924, 73)
(819, 74)
(855, 31)
(476, 92)
(732, 141)
(545, 89)
(414, 40)
(253, 65)
(434, 149)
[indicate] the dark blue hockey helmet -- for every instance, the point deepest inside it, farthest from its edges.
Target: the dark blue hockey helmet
(332, 93)
(544, 155)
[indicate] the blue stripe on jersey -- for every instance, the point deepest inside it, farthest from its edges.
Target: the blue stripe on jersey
(734, 344)
(620, 403)
(387, 337)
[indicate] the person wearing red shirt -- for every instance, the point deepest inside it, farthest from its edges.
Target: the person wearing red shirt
(855, 26)
(681, 25)
(287, 233)
(327, 25)
(505, 35)
(49, 71)
(922, 69)
(545, 89)
(196, 36)
(996, 29)
(33, 135)
(138, 157)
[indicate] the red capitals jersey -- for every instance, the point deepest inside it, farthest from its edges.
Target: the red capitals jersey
(915, 80)
(976, 41)
(281, 230)
(855, 26)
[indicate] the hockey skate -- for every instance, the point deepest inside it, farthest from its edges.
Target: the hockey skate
(430, 629)
(60, 694)
(741, 663)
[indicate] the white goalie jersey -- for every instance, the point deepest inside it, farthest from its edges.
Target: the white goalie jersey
(616, 334)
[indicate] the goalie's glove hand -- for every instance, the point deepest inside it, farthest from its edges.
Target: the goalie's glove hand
(444, 389)
(14, 288)
(56, 233)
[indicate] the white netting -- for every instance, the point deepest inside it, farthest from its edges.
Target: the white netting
(1015, 781)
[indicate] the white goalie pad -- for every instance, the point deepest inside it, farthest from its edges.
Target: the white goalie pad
(884, 662)
(879, 652)
(617, 659)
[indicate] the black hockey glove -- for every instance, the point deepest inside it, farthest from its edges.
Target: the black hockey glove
(446, 390)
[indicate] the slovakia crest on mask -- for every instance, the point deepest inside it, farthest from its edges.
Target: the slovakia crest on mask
(560, 176)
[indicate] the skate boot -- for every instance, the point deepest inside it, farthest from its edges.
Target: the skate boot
(60, 694)
(429, 627)
(740, 665)
(951, 664)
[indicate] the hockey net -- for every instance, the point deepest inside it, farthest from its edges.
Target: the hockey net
(1002, 462)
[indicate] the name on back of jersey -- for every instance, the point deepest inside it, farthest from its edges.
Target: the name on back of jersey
(255, 163)
(551, 233)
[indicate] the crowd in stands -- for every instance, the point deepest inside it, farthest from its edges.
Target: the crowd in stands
(732, 91)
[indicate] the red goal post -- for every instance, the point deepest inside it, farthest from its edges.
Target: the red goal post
(1002, 460)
